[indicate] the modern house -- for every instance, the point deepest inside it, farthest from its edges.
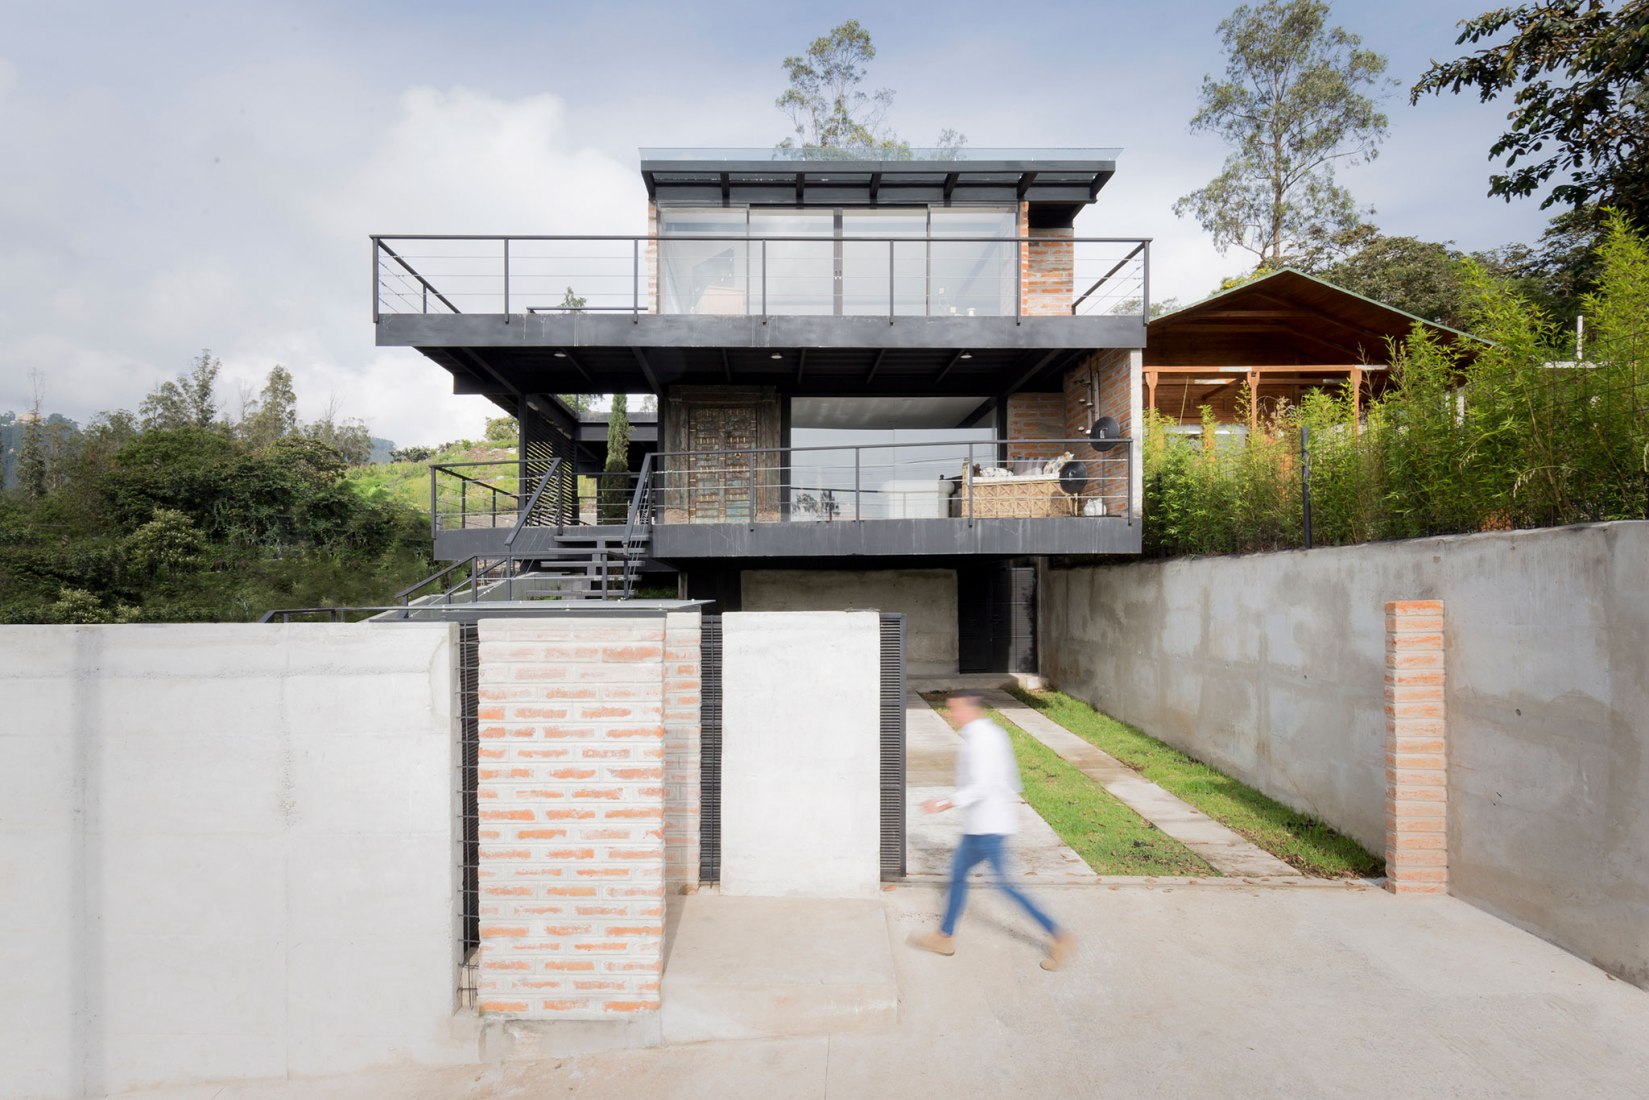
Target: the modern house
(1281, 335)
(887, 383)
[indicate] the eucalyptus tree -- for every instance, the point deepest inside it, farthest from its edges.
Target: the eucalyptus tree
(1297, 100)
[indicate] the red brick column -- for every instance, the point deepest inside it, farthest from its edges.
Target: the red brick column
(1046, 279)
(1416, 760)
(572, 803)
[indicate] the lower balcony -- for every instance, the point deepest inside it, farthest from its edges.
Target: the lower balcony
(1004, 498)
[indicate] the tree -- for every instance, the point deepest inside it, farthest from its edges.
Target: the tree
(351, 438)
(189, 402)
(502, 431)
(827, 108)
(1418, 277)
(1579, 77)
(1291, 106)
(613, 499)
(31, 459)
(824, 102)
(1559, 270)
(275, 414)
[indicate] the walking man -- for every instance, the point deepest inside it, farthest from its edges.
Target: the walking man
(987, 793)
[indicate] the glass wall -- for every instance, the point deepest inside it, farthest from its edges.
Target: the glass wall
(841, 261)
(703, 276)
(909, 464)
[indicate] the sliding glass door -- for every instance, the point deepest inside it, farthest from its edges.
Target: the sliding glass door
(910, 261)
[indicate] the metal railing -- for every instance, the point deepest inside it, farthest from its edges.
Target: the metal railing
(966, 482)
(742, 275)
(509, 495)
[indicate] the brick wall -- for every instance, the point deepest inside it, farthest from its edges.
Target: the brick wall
(1416, 767)
(574, 712)
(1035, 416)
(1045, 269)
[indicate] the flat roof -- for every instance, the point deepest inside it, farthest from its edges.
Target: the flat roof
(1056, 182)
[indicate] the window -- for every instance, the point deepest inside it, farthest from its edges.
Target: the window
(846, 261)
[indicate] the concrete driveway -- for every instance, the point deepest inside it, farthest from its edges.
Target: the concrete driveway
(1206, 990)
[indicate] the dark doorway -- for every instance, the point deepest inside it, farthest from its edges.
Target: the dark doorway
(996, 616)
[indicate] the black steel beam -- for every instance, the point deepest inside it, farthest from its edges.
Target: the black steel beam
(1027, 377)
(647, 372)
(955, 359)
(875, 364)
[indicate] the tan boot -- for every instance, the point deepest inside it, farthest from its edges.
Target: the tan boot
(1060, 948)
(937, 942)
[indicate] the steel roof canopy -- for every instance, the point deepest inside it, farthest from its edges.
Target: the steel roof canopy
(1057, 183)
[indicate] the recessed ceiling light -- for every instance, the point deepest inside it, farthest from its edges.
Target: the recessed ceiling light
(967, 355)
(561, 355)
(775, 355)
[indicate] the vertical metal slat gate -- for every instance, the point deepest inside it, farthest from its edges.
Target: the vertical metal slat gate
(710, 749)
(469, 811)
(892, 686)
(891, 734)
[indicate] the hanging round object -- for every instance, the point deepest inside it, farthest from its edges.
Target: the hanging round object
(1105, 434)
(1073, 478)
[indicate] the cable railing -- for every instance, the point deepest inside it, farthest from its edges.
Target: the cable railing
(742, 275)
(511, 495)
(965, 482)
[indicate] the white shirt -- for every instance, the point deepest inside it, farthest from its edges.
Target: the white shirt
(987, 780)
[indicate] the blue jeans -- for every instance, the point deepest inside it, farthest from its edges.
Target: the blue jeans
(975, 849)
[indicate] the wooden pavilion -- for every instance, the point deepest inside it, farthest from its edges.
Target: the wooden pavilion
(1283, 334)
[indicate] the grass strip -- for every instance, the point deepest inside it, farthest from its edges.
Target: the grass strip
(1110, 837)
(1298, 839)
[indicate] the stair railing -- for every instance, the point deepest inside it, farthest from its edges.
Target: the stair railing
(637, 527)
(550, 473)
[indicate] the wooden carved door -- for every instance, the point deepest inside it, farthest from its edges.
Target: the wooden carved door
(721, 464)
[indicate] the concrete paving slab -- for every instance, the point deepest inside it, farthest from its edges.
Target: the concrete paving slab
(1038, 855)
(1174, 991)
(747, 968)
(1225, 850)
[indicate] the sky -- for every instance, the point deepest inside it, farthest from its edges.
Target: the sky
(190, 175)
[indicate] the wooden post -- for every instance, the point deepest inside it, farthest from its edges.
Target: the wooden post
(1253, 401)
(1357, 400)
(1151, 389)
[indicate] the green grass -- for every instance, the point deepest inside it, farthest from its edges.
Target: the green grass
(1111, 838)
(1296, 838)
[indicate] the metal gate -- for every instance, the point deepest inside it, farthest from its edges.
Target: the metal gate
(469, 812)
(891, 689)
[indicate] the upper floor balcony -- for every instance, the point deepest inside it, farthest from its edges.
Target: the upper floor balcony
(924, 278)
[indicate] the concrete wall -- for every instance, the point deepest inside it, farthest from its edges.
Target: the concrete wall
(226, 851)
(1270, 666)
(801, 762)
(926, 597)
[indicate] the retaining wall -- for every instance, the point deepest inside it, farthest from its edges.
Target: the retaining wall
(226, 851)
(1271, 667)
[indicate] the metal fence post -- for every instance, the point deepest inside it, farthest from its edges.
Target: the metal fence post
(506, 280)
(1019, 276)
(967, 483)
(377, 303)
(434, 517)
(1305, 481)
(751, 504)
(890, 281)
(1145, 283)
(764, 280)
(858, 509)
(635, 275)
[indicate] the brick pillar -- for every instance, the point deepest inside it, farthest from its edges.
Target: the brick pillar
(571, 795)
(681, 748)
(1416, 760)
(1046, 275)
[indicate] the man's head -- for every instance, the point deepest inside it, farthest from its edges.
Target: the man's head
(965, 706)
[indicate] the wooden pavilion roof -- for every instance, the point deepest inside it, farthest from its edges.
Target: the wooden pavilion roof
(1286, 318)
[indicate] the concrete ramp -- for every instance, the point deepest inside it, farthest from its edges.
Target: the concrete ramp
(757, 968)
